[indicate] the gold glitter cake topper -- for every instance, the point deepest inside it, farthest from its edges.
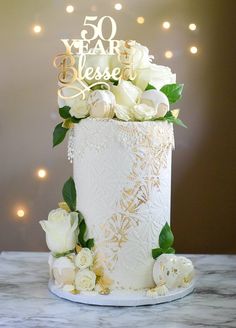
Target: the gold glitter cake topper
(73, 65)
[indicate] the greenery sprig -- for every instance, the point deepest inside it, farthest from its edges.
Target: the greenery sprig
(62, 128)
(174, 93)
(69, 196)
(166, 240)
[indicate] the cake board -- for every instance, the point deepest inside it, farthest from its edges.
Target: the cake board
(120, 297)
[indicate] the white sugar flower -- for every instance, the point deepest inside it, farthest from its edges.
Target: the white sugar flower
(60, 230)
(156, 75)
(101, 104)
(156, 99)
(157, 291)
(174, 270)
(84, 259)
(85, 280)
(63, 271)
(79, 109)
(143, 112)
(126, 93)
(124, 113)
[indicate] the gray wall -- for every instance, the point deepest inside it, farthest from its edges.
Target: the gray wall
(203, 185)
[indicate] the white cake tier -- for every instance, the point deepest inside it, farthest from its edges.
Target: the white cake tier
(122, 172)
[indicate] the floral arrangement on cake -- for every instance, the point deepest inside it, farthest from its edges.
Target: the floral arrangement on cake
(73, 264)
(118, 83)
(145, 96)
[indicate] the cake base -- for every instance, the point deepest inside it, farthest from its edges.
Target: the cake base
(120, 298)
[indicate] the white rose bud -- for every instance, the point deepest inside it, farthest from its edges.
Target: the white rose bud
(63, 271)
(124, 113)
(79, 109)
(186, 270)
(60, 230)
(164, 271)
(174, 271)
(126, 93)
(101, 104)
(84, 259)
(156, 99)
(143, 112)
(156, 75)
(85, 280)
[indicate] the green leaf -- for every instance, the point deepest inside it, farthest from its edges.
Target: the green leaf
(90, 243)
(64, 112)
(76, 120)
(59, 134)
(169, 250)
(156, 252)
(150, 87)
(114, 82)
(57, 255)
(82, 230)
(69, 194)
(173, 91)
(166, 237)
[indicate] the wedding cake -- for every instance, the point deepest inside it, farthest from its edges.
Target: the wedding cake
(112, 231)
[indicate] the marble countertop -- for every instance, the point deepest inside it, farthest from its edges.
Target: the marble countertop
(25, 301)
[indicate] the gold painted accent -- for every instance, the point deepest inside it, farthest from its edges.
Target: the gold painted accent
(175, 112)
(64, 206)
(75, 291)
(67, 124)
(105, 291)
(148, 157)
(78, 248)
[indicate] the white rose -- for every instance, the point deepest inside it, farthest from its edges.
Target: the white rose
(63, 271)
(60, 230)
(143, 112)
(156, 75)
(79, 109)
(140, 56)
(85, 280)
(97, 61)
(84, 259)
(68, 91)
(101, 104)
(156, 99)
(124, 113)
(126, 93)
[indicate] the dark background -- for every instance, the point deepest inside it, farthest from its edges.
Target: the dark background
(203, 184)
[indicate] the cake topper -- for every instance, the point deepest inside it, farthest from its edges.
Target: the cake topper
(73, 65)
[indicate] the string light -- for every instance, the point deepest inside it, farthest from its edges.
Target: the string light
(168, 54)
(37, 29)
(42, 173)
(70, 9)
(192, 27)
(20, 213)
(193, 50)
(166, 25)
(118, 6)
(140, 20)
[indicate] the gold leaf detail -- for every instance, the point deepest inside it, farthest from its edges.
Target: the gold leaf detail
(64, 206)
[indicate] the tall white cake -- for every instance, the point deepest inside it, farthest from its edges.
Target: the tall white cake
(122, 173)
(110, 238)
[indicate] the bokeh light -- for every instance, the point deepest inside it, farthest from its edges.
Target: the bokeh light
(168, 54)
(193, 50)
(37, 29)
(192, 27)
(118, 6)
(166, 25)
(70, 9)
(140, 20)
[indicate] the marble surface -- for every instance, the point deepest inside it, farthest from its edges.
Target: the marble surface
(25, 301)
